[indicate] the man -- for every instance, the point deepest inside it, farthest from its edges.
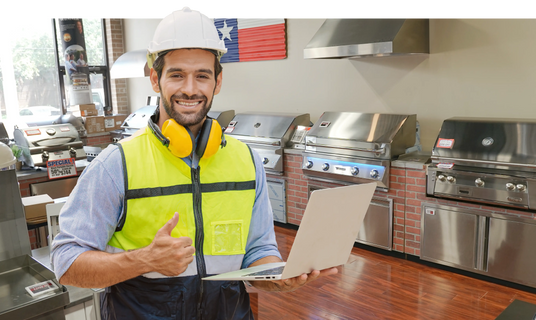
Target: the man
(70, 66)
(149, 218)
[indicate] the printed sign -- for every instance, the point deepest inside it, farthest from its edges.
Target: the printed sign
(61, 168)
(430, 211)
(40, 288)
(445, 143)
(445, 165)
(229, 129)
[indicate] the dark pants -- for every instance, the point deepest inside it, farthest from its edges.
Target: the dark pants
(176, 298)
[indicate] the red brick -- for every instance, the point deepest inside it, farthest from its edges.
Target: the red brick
(412, 202)
(410, 209)
(412, 216)
(401, 179)
(410, 195)
(399, 248)
(410, 223)
(413, 230)
(421, 189)
(398, 241)
(420, 182)
(409, 250)
(398, 172)
(398, 227)
(410, 237)
(401, 193)
(416, 174)
(413, 244)
(397, 186)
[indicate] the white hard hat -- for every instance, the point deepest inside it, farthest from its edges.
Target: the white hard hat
(6, 157)
(185, 29)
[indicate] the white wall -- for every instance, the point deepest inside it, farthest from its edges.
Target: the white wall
(477, 68)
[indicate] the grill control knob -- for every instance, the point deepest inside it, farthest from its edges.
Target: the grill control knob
(354, 171)
(309, 164)
(44, 156)
(374, 174)
(521, 187)
(265, 160)
(479, 182)
(325, 166)
(510, 186)
(441, 178)
(451, 179)
(72, 152)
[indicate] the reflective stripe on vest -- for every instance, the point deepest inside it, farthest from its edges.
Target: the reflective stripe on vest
(158, 184)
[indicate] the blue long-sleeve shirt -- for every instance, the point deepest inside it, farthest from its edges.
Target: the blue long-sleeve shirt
(90, 215)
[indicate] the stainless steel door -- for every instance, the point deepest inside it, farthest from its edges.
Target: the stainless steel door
(377, 228)
(511, 251)
(449, 237)
(278, 199)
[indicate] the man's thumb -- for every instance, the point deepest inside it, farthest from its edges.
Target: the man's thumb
(168, 227)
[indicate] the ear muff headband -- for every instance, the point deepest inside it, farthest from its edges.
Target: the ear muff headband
(183, 138)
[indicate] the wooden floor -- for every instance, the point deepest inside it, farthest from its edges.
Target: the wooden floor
(378, 286)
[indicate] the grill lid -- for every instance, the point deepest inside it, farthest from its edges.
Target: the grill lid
(486, 141)
(274, 127)
(380, 133)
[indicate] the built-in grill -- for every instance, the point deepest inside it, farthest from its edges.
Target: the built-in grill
(357, 147)
(268, 134)
(50, 142)
(136, 120)
(485, 160)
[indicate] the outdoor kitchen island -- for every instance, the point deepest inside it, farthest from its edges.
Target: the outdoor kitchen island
(411, 205)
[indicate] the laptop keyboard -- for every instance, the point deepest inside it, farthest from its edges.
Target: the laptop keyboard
(267, 272)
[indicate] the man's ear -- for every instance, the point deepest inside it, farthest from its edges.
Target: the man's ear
(218, 84)
(154, 81)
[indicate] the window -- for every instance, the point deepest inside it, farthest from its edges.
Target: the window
(33, 82)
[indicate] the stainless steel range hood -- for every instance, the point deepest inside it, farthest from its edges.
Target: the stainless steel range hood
(132, 64)
(355, 38)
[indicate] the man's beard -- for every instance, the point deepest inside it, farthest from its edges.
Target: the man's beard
(186, 120)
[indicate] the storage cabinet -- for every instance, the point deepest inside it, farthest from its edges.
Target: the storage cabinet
(494, 245)
(377, 228)
(511, 254)
(449, 237)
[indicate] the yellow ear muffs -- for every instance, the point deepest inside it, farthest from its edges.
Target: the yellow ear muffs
(184, 142)
(210, 139)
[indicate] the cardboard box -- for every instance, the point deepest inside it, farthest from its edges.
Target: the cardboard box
(94, 124)
(35, 206)
(114, 122)
(84, 110)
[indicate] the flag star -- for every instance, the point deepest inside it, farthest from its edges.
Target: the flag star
(225, 31)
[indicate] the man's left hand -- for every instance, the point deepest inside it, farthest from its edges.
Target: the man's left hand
(290, 284)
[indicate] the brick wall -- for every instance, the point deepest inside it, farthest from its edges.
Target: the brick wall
(116, 47)
(407, 190)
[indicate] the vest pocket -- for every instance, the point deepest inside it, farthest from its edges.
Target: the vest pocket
(228, 237)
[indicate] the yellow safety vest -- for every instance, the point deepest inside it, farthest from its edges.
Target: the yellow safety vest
(214, 202)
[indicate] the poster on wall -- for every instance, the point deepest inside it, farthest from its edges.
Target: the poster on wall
(75, 59)
(252, 39)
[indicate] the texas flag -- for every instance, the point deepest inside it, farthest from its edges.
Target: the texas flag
(252, 39)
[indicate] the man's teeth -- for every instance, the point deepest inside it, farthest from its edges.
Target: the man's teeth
(188, 104)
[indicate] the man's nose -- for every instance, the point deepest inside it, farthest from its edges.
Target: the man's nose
(189, 87)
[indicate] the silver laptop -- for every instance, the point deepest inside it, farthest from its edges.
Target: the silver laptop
(327, 233)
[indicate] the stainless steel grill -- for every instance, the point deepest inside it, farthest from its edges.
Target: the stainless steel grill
(485, 160)
(357, 147)
(268, 134)
(50, 142)
(491, 162)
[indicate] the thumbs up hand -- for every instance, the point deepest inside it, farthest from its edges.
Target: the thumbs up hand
(168, 255)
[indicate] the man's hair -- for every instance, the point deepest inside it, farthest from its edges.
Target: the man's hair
(158, 65)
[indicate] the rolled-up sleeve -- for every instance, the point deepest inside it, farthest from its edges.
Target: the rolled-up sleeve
(90, 215)
(261, 238)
